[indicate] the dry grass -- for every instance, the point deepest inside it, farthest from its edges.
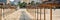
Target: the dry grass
(56, 13)
(8, 11)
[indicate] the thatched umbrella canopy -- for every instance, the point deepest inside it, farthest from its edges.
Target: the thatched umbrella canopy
(1, 4)
(48, 5)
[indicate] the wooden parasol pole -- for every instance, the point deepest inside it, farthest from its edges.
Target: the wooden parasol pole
(44, 14)
(50, 12)
(40, 13)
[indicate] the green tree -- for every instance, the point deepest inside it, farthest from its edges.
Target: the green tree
(22, 5)
(32, 3)
(37, 3)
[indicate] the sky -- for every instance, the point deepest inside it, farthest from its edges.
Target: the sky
(11, 0)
